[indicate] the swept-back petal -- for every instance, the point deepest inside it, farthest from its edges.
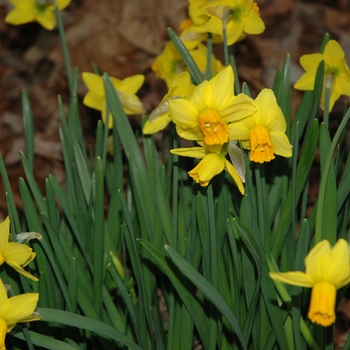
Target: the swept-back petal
(337, 268)
(21, 308)
(193, 152)
(47, 19)
(183, 113)
(94, 83)
(211, 165)
(268, 108)
(4, 234)
(17, 253)
(20, 270)
(131, 84)
(311, 61)
(62, 4)
(241, 130)
(21, 15)
(281, 143)
(95, 101)
(296, 278)
(4, 305)
(305, 82)
(234, 174)
(157, 125)
(332, 53)
(314, 261)
(222, 89)
(242, 106)
(194, 134)
(234, 31)
(200, 95)
(253, 23)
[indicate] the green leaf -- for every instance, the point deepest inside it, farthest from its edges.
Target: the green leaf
(82, 322)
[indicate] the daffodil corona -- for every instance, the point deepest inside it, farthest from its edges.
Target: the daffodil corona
(17, 309)
(326, 270)
(207, 114)
(41, 11)
(14, 254)
(264, 131)
(336, 73)
(126, 89)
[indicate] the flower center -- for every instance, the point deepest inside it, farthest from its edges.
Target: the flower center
(186, 23)
(3, 329)
(41, 5)
(261, 148)
(236, 13)
(322, 304)
(215, 131)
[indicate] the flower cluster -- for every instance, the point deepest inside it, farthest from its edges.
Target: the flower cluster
(18, 308)
(213, 116)
(326, 270)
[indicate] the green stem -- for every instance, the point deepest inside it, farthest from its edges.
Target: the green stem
(209, 53)
(327, 96)
(64, 48)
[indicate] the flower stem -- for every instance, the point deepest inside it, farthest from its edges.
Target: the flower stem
(326, 105)
(209, 53)
(64, 48)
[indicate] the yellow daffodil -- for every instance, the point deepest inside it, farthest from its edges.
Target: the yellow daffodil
(210, 110)
(336, 72)
(264, 131)
(126, 89)
(41, 11)
(213, 162)
(169, 64)
(19, 308)
(238, 17)
(14, 254)
(181, 87)
(326, 270)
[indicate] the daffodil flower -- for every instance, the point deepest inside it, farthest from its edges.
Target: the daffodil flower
(126, 89)
(336, 73)
(41, 11)
(326, 270)
(207, 114)
(19, 308)
(14, 254)
(264, 131)
(159, 118)
(238, 17)
(213, 162)
(169, 64)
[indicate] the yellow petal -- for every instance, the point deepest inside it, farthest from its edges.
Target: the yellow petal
(4, 305)
(306, 82)
(254, 24)
(24, 14)
(235, 176)
(311, 61)
(62, 4)
(337, 268)
(281, 143)
(183, 112)
(4, 234)
(242, 106)
(193, 152)
(332, 53)
(47, 19)
(131, 84)
(94, 83)
(22, 308)
(158, 124)
(17, 253)
(269, 111)
(295, 278)
(221, 90)
(314, 260)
